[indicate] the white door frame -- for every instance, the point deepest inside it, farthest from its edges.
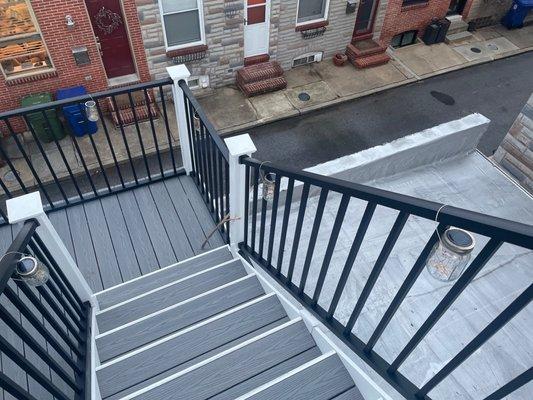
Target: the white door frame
(261, 31)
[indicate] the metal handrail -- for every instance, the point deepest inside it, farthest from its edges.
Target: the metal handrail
(498, 230)
(505, 230)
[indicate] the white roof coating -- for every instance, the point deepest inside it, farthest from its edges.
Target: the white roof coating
(468, 181)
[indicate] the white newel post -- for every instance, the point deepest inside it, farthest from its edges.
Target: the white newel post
(238, 146)
(30, 206)
(178, 73)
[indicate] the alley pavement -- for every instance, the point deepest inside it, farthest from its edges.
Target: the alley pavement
(498, 90)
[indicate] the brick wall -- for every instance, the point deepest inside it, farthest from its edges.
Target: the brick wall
(515, 154)
(399, 19)
(224, 38)
(59, 40)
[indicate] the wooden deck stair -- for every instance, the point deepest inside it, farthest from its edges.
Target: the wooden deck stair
(261, 78)
(367, 53)
(204, 328)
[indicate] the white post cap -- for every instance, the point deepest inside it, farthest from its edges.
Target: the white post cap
(240, 145)
(24, 207)
(178, 72)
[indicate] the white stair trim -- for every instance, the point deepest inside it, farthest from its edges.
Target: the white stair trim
(185, 330)
(119, 328)
(286, 375)
(140, 296)
(211, 359)
(160, 270)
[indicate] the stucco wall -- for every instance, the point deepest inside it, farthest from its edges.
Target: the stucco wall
(493, 9)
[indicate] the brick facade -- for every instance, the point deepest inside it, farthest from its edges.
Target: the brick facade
(50, 15)
(400, 19)
(515, 154)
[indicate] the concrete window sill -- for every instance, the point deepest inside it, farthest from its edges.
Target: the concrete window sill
(415, 6)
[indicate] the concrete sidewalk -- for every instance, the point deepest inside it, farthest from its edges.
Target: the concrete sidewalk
(327, 84)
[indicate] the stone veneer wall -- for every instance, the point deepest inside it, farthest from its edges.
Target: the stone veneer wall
(290, 43)
(491, 10)
(515, 154)
(224, 38)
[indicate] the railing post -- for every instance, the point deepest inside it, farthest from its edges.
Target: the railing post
(29, 206)
(178, 73)
(238, 146)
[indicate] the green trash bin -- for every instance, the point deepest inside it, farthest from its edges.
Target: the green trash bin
(46, 131)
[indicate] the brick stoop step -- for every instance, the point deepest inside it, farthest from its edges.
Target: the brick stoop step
(366, 54)
(261, 78)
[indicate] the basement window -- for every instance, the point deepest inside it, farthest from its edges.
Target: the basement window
(404, 39)
(307, 59)
(22, 49)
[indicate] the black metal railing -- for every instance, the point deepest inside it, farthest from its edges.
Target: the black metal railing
(210, 161)
(266, 243)
(135, 143)
(47, 328)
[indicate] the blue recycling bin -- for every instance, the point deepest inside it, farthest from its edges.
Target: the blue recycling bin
(75, 113)
(516, 15)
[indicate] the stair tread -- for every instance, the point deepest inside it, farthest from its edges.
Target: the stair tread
(161, 277)
(264, 86)
(322, 380)
(189, 345)
(114, 343)
(259, 72)
(235, 366)
(166, 296)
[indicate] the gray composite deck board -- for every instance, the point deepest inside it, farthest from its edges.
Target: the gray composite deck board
(321, 381)
(198, 359)
(155, 227)
(83, 247)
(189, 346)
(163, 276)
(189, 220)
(173, 225)
(101, 240)
(202, 213)
(120, 238)
(176, 318)
(237, 366)
(268, 375)
(350, 394)
(144, 251)
(166, 297)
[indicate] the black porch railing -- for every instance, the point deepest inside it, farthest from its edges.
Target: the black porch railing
(210, 161)
(135, 143)
(50, 320)
(497, 231)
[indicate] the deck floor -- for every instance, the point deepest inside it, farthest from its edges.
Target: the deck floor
(122, 236)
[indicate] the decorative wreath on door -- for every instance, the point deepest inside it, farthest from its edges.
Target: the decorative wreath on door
(107, 21)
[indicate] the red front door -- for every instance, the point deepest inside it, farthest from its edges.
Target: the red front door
(364, 22)
(111, 33)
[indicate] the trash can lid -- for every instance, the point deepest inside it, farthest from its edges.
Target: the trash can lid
(36, 98)
(65, 93)
(525, 3)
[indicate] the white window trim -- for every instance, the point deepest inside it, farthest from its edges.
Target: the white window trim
(325, 18)
(200, 4)
(28, 35)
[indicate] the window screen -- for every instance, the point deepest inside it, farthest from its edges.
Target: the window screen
(309, 10)
(182, 22)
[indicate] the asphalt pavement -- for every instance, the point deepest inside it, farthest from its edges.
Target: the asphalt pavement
(498, 90)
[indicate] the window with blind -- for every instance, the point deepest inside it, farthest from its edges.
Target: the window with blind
(182, 21)
(311, 10)
(22, 49)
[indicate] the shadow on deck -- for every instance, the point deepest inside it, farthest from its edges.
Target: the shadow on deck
(122, 236)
